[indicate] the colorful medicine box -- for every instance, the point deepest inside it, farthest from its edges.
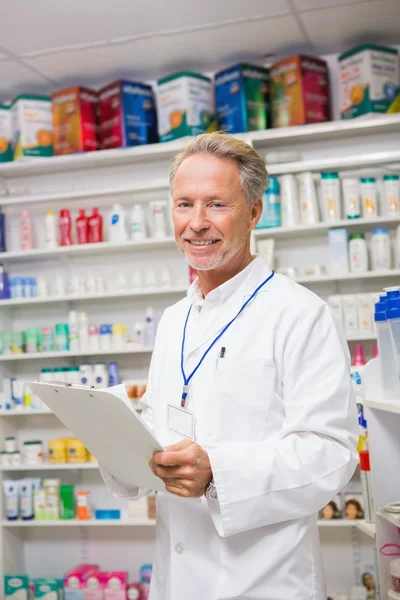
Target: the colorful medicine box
(6, 152)
(127, 115)
(369, 81)
(94, 585)
(300, 91)
(75, 581)
(16, 587)
(242, 98)
(75, 120)
(31, 126)
(115, 585)
(46, 589)
(185, 105)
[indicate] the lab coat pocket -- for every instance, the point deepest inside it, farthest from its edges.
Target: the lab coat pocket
(244, 390)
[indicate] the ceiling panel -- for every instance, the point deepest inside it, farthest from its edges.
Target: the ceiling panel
(16, 79)
(315, 4)
(152, 57)
(343, 27)
(73, 22)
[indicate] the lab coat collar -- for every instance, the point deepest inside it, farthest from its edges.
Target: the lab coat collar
(225, 301)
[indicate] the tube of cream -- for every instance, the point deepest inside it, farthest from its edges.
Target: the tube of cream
(11, 499)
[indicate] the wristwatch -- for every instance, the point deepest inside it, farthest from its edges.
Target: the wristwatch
(211, 490)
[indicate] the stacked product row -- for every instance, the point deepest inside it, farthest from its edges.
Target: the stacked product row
(292, 200)
(294, 91)
(77, 336)
(121, 227)
(32, 453)
(84, 582)
(355, 313)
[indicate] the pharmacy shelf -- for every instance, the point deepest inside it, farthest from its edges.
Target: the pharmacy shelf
(349, 277)
(385, 405)
(156, 152)
(102, 192)
(81, 523)
(13, 412)
(145, 293)
(362, 337)
(392, 518)
(336, 523)
(341, 163)
(69, 354)
(85, 249)
(356, 225)
(367, 528)
(51, 467)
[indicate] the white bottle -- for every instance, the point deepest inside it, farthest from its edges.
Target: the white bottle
(51, 226)
(289, 201)
(136, 279)
(26, 231)
(350, 314)
(165, 278)
(309, 210)
(83, 332)
(137, 224)
(117, 233)
(159, 218)
(86, 374)
(42, 289)
(59, 285)
(381, 251)
(139, 334)
(149, 329)
(73, 332)
(358, 251)
(369, 197)
(122, 282)
(391, 184)
(351, 197)
(150, 281)
(100, 375)
(331, 200)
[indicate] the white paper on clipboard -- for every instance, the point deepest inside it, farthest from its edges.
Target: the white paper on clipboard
(108, 425)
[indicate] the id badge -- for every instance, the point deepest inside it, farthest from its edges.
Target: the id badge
(181, 421)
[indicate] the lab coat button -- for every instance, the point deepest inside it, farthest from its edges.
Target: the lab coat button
(179, 549)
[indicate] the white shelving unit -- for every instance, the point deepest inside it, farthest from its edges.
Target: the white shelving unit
(140, 175)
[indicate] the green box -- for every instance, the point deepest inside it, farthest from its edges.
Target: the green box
(6, 152)
(32, 126)
(16, 587)
(67, 502)
(369, 81)
(185, 105)
(46, 589)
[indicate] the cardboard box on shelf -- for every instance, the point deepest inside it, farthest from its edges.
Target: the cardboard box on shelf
(74, 120)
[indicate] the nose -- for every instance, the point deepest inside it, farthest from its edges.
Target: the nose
(199, 221)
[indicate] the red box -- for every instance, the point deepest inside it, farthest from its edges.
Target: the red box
(75, 126)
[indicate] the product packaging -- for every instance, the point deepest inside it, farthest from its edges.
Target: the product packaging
(117, 231)
(242, 98)
(82, 227)
(75, 581)
(26, 499)
(159, 218)
(83, 512)
(185, 105)
(369, 81)
(127, 115)
(365, 313)
(64, 222)
(74, 120)
(3, 245)
(381, 249)
(290, 211)
(338, 251)
(271, 213)
(11, 499)
(351, 198)
(358, 253)
(50, 230)
(350, 314)
(133, 591)
(309, 210)
(95, 227)
(115, 584)
(94, 585)
(300, 91)
(46, 589)
(336, 304)
(367, 489)
(31, 123)
(391, 184)
(16, 587)
(137, 223)
(330, 191)
(67, 502)
(6, 134)
(369, 197)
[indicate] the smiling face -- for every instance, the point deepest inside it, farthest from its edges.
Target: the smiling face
(212, 216)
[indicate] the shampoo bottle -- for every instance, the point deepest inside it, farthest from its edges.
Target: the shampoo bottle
(95, 233)
(117, 225)
(82, 227)
(26, 231)
(51, 229)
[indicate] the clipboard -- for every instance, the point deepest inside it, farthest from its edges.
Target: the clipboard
(108, 425)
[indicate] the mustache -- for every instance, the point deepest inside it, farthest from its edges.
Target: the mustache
(198, 238)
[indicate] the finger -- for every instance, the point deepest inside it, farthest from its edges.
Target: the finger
(174, 472)
(182, 445)
(173, 459)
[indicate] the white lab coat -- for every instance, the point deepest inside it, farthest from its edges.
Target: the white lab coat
(277, 417)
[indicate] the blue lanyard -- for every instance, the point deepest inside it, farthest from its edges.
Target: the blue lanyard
(186, 380)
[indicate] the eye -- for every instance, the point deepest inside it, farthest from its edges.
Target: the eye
(217, 205)
(183, 204)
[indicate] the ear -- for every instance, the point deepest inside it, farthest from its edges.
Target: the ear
(256, 210)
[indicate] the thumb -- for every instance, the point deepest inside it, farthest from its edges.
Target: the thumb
(182, 445)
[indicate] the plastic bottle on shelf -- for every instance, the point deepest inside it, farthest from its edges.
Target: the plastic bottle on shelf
(369, 197)
(3, 246)
(391, 185)
(100, 375)
(26, 230)
(150, 329)
(387, 357)
(95, 227)
(290, 212)
(73, 331)
(94, 342)
(271, 213)
(113, 374)
(137, 224)
(82, 227)
(83, 332)
(358, 252)
(64, 222)
(117, 233)
(50, 225)
(136, 280)
(351, 197)
(381, 250)
(165, 277)
(330, 190)
(309, 210)
(158, 210)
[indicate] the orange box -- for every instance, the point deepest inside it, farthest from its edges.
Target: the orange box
(300, 91)
(74, 120)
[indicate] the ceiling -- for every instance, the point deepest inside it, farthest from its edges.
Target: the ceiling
(50, 44)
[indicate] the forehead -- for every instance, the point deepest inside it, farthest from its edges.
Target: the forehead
(204, 172)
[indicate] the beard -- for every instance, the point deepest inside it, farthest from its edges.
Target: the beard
(224, 255)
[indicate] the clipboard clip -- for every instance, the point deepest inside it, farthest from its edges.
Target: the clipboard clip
(72, 385)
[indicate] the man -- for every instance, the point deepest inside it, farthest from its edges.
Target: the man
(249, 388)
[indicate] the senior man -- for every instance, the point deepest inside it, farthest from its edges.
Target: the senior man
(249, 388)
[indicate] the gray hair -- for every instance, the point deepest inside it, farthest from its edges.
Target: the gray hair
(252, 169)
